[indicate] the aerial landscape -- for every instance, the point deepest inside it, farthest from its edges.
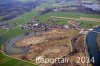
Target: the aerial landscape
(49, 32)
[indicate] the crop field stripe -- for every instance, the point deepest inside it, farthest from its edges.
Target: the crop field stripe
(3, 33)
(15, 60)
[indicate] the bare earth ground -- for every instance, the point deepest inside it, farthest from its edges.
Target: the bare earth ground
(90, 19)
(78, 52)
(53, 44)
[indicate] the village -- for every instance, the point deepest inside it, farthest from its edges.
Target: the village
(50, 29)
(37, 26)
(7, 26)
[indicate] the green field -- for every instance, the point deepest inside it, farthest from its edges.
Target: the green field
(88, 24)
(8, 61)
(11, 33)
(27, 17)
(85, 24)
(2, 31)
(24, 18)
(68, 15)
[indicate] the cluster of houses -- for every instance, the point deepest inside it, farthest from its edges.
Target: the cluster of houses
(69, 2)
(43, 26)
(35, 25)
(6, 26)
(59, 9)
(74, 23)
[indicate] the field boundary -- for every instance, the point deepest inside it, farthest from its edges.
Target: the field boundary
(81, 18)
(14, 57)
